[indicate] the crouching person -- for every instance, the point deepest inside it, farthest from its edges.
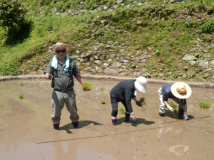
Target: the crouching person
(178, 92)
(61, 70)
(123, 92)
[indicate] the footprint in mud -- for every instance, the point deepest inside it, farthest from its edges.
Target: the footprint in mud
(179, 149)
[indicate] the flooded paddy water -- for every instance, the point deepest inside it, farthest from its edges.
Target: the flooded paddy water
(26, 128)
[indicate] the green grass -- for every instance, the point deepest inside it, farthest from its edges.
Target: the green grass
(87, 86)
(21, 96)
(122, 111)
(204, 104)
(101, 89)
(175, 108)
(167, 36)
(21, 84)
(102, 102)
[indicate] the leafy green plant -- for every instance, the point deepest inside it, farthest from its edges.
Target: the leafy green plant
(185, 68)
(133, 66)
(101, 89)
(21, 84)
(147, 75)
(12, 16)
(87, 86)
(102, 102)
(21, 96)
(173, 106)
(188, 23)
(207, 27)
(204, 104)
(122, 111)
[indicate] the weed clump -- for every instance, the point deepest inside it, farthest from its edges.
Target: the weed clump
(142, 101)
(207, 27)
(86, 86)
(102, 102)
(204, 104)
(122, 111)
(21, 84)
(173, 106)
(21, 96)
(101, 89)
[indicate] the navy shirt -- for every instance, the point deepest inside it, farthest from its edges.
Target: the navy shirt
(124, 91)
(166, 91)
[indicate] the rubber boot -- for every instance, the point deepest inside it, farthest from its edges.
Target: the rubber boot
(181, 113)
(127, 117)
(56, 126)
(75, 124)
(114, 121)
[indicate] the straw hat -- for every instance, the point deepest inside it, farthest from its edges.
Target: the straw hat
(181, 90)
(58, 44)
(140, 84)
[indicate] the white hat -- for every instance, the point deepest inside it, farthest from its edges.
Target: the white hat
(181, 90)
(140, 84)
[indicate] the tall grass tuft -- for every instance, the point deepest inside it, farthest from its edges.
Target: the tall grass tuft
(102, 102)
(173, 106)
(142, 101)
(204, 104)
(122, 111)
(87, 86)
(21, 96)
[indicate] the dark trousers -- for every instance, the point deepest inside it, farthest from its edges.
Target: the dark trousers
(114, 104)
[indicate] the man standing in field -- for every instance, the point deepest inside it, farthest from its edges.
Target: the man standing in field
(61, 70)
(178, 92)
(123, 92)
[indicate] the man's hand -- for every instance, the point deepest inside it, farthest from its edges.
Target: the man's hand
(48, 76)
(133, 116)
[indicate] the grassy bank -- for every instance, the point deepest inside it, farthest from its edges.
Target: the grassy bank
(155, 36)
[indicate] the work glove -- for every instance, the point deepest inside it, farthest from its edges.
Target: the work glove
(138, 103)
(185, 116)
(133, 116)
(170, 108)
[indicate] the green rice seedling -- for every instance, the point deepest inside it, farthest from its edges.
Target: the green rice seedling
(173, 106)
(21, 84)
(122, 111)
(21, 96)
(86, 86)
(204, 104)
(142, 101)
(101, 89)
(102, 102)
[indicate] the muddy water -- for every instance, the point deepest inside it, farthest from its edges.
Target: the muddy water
(26, 128)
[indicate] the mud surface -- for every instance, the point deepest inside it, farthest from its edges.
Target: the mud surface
(26, 128)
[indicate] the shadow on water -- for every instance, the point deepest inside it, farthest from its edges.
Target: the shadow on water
(82, 124)
(138, 121)
(176, 115)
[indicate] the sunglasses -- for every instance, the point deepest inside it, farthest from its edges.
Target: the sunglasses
(59, 51)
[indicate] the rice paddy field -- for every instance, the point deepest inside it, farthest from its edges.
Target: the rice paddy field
(26, 130)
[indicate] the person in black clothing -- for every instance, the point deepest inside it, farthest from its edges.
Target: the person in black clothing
(123, 92)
